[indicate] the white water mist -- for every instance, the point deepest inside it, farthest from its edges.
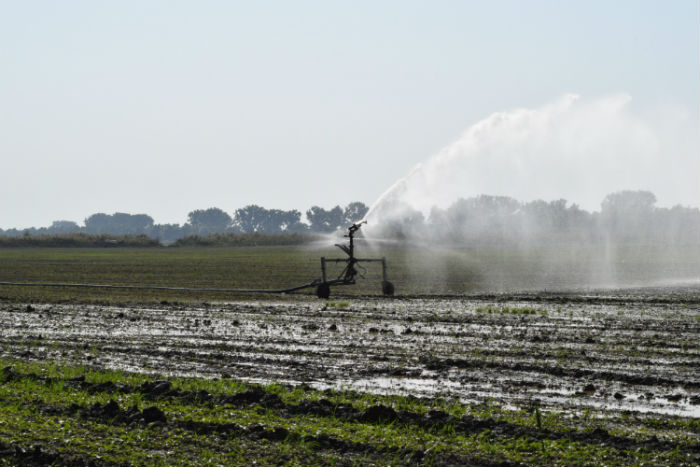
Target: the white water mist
(575, 149)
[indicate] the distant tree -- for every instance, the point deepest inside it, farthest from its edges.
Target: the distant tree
(538, 216)
(410, 224)
(678, 225)
(118, 223)
(628, 202)
(256, 219)
(251, 218)
(628, 214)
(13, 232)
(280, 221)
(208, 221)
(324, 221)
(131, 224)
(481, 216)
(63, 227)
(581, 224)
(296, 226)
(98, 223)
(354, 212)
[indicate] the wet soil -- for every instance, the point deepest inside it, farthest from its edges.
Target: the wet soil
(622, 351)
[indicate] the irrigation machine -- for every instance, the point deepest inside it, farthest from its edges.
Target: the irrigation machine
(347, 276)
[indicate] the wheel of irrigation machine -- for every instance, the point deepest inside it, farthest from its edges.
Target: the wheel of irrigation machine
(387, 288)
(323, 291)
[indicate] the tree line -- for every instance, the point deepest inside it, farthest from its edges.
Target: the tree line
(251, 219)
(625, 216)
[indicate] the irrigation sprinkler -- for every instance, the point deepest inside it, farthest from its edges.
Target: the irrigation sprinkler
(347, 275)
(323, 285)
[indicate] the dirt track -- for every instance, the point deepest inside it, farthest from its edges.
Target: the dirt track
(619, 353)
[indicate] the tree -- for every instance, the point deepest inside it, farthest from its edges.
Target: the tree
(254, 218)
(410, 224)
(678, 225)
(354, 212)
(63, 227)
(481, 216)
(324, 221)
(99, 223)
(297, 226)
(251, 218)
(628, 214)
(209, 221)
(118, 223)
(541, 216)
(280, 221)
(131, 224)
(628, 201)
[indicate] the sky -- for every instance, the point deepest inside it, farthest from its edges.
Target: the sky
(164, 107)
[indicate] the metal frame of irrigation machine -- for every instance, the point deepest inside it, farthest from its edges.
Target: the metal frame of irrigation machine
(347, 276)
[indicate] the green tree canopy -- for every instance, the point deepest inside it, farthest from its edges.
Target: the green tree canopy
(208, 221)
(325, 221)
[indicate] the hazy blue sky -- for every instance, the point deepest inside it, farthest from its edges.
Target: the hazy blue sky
(162, 107)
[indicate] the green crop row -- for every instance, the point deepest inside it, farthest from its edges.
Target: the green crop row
(460, 270)
(54, 407)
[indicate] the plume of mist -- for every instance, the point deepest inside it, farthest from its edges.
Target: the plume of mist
(572, 148)
(491, 206)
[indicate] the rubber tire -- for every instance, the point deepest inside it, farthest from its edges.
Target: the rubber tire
(323, 291)
(387, 288)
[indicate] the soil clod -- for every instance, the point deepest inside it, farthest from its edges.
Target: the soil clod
(153, 414)
(378, 413)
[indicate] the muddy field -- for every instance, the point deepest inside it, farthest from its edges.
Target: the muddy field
(633, 353)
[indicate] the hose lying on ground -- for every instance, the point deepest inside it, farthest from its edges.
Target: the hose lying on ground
(160, 287)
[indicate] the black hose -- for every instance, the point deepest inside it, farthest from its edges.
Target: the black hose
(158, 287)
